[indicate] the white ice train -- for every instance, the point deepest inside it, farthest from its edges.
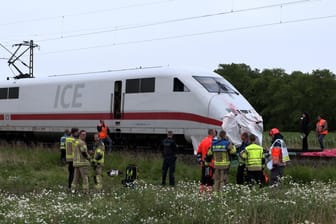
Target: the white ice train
(143, 102)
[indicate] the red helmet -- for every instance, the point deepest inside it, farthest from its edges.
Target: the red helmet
(274, 131)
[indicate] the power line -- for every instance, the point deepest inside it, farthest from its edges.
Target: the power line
(194, 34)
(4, 47)
(85, 13)
(131, 27)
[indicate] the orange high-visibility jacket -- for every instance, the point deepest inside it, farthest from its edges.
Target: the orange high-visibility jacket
(319, 127)
(204, 147)
(103, 132)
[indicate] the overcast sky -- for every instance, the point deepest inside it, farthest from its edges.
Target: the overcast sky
(81, 35)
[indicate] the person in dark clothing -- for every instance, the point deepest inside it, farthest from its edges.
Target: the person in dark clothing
(169, 159)
(240, 178)
(305, 129)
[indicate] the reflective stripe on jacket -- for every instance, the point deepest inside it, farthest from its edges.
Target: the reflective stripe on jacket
(281, 159)
(220, 149)
(69, 148)
(80, 149)
(99, 153)
(62, 142)
(253, 155)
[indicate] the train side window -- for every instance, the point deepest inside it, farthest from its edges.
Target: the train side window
(179, 86)
(13, 93)
(147, 85)
(3, 93)
(144, 85)
(132, 85)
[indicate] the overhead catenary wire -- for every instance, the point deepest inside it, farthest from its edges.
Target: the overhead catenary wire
(86, 13)
(11, 53)
(131, 27)
(116, 28)
(194, 34)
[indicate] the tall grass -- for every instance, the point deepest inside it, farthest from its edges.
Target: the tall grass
(33, 189)
(148, 203)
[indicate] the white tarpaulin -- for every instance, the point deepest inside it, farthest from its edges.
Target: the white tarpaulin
(236, 124)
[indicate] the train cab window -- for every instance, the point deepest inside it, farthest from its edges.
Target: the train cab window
(214, 84)
(3, 93)
(13, 93)
(179, 86)
(144, 85)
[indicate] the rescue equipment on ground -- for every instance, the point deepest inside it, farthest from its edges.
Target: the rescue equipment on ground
(114, 172)
(131, 176)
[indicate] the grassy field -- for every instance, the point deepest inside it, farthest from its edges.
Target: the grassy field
(33, 189)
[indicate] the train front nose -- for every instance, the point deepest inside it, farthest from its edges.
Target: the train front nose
(221, 104)
(237, 115)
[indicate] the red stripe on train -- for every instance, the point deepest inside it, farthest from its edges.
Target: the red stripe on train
(72, 116)
(2, 117)
(171, 116)
(126, 116)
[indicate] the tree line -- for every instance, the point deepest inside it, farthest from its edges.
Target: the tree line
(281, 98)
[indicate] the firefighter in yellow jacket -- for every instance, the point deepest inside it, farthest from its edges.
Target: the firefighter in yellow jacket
(220, 150)
(69, 153)
(98, 162)
(254, 157)
(81, 163)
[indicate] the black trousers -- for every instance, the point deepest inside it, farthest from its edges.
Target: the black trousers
(108, 144)
(63, 156)
(305, 143)
(276, 174)
(207, 175)
(168, 164)
(71, 171)
(320, 140)
(240, 178)
(254, 177)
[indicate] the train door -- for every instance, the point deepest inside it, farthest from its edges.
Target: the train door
(117, 102)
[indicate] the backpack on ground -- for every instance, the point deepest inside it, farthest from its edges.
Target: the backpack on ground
(131, 176)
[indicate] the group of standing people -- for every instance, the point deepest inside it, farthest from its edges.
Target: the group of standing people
(75, 153)
(214, 156)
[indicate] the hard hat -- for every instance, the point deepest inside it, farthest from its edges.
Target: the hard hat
(274, 131)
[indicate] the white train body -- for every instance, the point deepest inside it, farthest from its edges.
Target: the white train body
(131, 101)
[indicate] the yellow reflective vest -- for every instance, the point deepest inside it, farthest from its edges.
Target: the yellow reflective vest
(254, 155)
(62, 142)
(220, 150)
(69, 148)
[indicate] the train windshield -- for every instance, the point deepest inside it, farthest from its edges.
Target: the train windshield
(215, 84)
